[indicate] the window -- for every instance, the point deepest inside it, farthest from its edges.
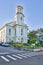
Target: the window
(21, 18)
(15, 31)
(21, 31)
(9, 31)
(21, 40)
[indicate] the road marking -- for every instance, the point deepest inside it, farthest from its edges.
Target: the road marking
(29, 55)
(32, 54)
(11, 57)
(4, 58)
(22, 55)
(17, 56)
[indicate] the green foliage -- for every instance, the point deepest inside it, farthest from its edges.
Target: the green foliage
(20, 45)
(33, 40)
(32, 34)
(26, 47)
(25, 44)
(16, 44)
(13, 44)
(41, 29)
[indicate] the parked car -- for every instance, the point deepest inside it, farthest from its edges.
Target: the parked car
(5, 45)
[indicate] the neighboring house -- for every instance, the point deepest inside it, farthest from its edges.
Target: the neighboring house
(16, 30)
(40, 35)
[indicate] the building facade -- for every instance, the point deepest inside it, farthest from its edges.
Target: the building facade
(40, 35)
(16, 30)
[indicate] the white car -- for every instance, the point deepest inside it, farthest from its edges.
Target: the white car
(5, 45)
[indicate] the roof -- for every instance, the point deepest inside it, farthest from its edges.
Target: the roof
(13, 24)
(6, 25)
(19, 6)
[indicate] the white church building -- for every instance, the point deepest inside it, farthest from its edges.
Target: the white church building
(16, 30)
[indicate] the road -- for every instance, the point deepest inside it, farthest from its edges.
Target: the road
(20, 58)
(4, 50)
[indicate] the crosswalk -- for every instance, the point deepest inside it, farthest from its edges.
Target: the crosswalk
(14, 57)
(4, 58)
(11, 57)
(17, 56)
(22, 55)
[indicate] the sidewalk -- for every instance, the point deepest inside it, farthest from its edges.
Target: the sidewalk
(36, 50)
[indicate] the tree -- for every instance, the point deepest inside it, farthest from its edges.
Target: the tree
(33, 40)
(32, 34)
(41, 29)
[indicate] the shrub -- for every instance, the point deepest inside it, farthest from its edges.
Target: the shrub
(20, 45)
(16, 44)
(25, 44)
(33, 40)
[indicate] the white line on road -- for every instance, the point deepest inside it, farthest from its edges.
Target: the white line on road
(28, 55)
(31, 55)
(22, 55)
(11, 57)
(17, 56)
(4, 58)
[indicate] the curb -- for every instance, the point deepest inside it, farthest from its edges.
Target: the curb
(37, 50)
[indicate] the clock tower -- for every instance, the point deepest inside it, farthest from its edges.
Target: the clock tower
(20, 28)
(19, 16)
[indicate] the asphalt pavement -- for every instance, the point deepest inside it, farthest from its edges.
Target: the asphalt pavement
(16, 57)
(32, 58)
(5, 50)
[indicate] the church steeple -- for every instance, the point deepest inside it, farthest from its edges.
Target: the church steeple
(19, 9)
(19, 16)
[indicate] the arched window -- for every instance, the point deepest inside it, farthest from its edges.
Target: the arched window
(9, 31)
(15, 31)
(21, 31)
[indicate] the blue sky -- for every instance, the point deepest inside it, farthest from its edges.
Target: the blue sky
(33, 11)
